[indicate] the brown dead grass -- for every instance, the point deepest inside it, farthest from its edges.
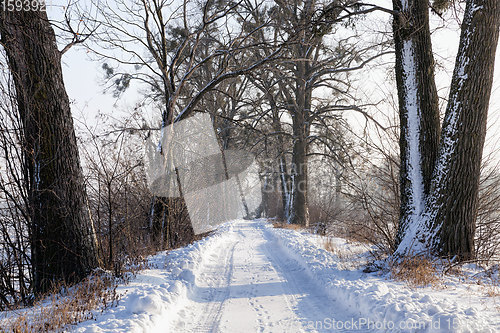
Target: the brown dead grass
(77, 304)
(284, 225)
(493, 291)
(347, 259)
(330, 247)
(416, 271)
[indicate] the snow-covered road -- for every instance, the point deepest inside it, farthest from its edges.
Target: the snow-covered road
(250, 277)
(250, 285)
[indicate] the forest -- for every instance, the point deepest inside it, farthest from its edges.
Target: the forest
(354, 120)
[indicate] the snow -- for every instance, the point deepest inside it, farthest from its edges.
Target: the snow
(405, 5)
(449, 141)
(284, 187)
(414, 114)
(379, 300)
(451, 121)
(416, 195)
(251, 277)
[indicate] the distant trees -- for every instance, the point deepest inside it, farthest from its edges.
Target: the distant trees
(438, 208)
(63, 243)
(316, 63)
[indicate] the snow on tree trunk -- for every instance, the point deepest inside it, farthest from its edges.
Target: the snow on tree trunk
(412, 131)
(283, 170)
(452, 208)
(418, 104)
(446, 225)
(285, 187)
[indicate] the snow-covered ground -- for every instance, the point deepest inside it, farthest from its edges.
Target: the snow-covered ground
(251, 277)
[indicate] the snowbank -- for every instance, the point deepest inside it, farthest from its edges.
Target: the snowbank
(391, 306)
(155, 295)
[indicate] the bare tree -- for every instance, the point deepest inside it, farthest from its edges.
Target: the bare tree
(118, 197)
(317, 59)
(165, 48)
(15, 266)
(62, 236)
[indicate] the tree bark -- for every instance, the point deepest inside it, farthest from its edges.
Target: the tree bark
(444, 222)
(452, 209)
(418, 105)
(303, 51)
(299, 213)
(63, 240)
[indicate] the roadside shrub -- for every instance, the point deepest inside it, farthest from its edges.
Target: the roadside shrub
(67, 305)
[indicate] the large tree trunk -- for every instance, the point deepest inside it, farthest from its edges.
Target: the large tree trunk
(445, 225)
(63, 239)
(418, 105)
(452, 209)
(299, 213)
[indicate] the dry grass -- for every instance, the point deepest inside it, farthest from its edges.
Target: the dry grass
(284, 225)
(328, 245)
(331, 247)
(348, 258)
(492, 291)
(67, 306)
(416, 271)
(493, 288)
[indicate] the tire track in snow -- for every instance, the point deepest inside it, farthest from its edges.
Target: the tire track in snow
(250, 285)
(212, 296)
